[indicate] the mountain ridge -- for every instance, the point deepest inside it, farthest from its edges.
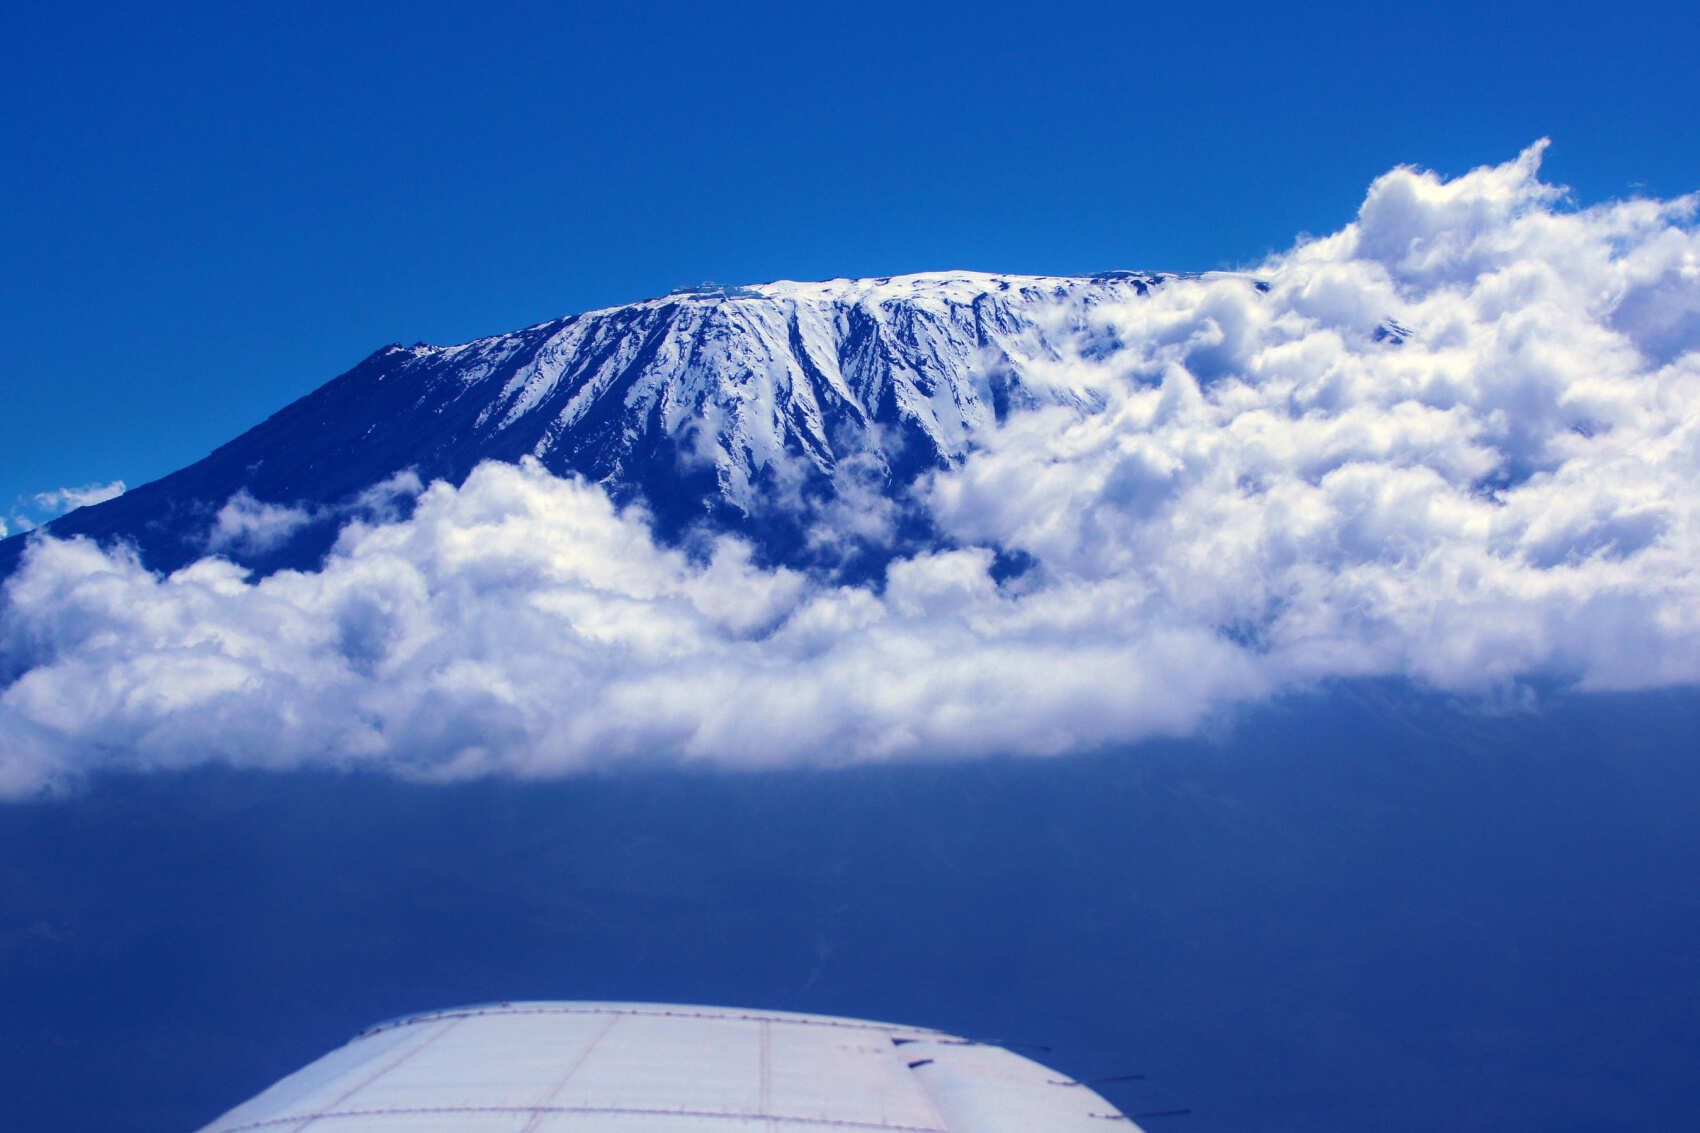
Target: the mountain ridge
(750, 407)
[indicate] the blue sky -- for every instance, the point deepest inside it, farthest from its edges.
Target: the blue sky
(209, 212)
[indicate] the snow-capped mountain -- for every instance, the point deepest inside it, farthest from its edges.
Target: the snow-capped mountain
(748, 406)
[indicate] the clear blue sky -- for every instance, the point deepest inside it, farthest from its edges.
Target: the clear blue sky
(207, 212)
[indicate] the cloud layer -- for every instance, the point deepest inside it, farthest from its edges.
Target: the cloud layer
(1457, 441)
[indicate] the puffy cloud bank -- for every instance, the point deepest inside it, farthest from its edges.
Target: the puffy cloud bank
(1457, 441)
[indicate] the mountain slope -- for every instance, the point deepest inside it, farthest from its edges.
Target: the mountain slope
(752, 407)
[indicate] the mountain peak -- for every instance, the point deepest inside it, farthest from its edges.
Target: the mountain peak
(752, 406)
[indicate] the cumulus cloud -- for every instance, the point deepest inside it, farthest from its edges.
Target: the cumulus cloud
(1457, 442)
(520, 623)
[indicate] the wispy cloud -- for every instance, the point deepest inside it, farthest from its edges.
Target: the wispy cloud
(62, 500)
(1457, 441)
(43, 506)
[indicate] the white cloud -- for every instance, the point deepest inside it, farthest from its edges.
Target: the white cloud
(61, 500)
(31, 512)
(252, 527)
(246, 526)
(1266, 493)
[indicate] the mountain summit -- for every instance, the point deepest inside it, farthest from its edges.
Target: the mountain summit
(753, 408)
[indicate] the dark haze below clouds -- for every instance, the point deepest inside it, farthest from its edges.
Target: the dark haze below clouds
(1365, 910)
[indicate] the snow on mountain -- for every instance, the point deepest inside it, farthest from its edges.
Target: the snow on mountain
(754, 407)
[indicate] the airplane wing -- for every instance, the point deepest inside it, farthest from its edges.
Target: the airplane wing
(568, 1067)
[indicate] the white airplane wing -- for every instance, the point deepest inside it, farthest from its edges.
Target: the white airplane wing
(562, 1067)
